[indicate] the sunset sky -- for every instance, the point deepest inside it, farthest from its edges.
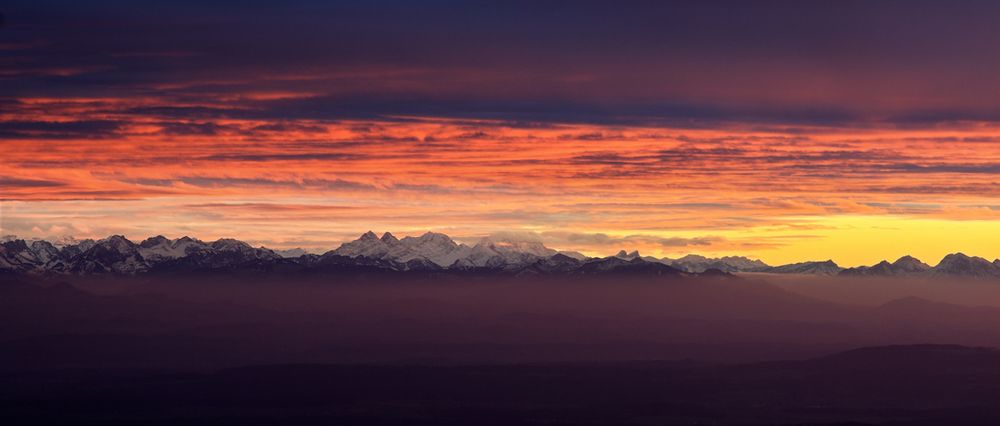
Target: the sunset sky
(786, 131)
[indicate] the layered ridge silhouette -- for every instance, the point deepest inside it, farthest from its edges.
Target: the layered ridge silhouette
(430, 252)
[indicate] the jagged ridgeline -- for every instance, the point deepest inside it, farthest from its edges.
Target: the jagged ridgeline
(430, 252)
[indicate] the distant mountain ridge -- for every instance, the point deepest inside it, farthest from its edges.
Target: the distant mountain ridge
(827, 267)
(952, 265)
(697, 264)
(906, 265)
(428, 252)
(955, 264)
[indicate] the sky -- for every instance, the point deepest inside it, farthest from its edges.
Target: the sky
(781, 130)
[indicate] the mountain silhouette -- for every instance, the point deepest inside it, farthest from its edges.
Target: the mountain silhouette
(429, 252)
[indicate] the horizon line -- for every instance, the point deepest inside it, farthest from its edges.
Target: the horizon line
(464, 241)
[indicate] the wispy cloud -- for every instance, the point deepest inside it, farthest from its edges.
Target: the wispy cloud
(669, 134)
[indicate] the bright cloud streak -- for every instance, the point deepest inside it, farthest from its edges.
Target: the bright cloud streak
(779, 195)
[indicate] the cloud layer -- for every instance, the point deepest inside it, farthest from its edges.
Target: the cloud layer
(669, 127)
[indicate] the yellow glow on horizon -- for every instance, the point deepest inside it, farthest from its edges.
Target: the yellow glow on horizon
(865, 240)
(849, 240)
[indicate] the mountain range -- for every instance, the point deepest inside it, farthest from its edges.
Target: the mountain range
(428, 252)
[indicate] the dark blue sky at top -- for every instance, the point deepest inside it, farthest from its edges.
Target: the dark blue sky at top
(836, 62)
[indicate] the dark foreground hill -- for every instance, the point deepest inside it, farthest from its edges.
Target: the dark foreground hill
(902, 385)
(515, 350)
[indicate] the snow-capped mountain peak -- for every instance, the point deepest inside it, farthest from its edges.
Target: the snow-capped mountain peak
(240, 250)
(160, 248)
(503, 252)
(158, 240)
(44, 251)
(229, 244)
(503, 244)
(970, 266)
(119, 244)
(435, 247)
(428, 252)
(368, 245)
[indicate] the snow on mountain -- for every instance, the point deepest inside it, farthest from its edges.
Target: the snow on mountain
(698, 263)
(17, 256)
(44, 251)
(368, 245)
(827, 267)
(906, 265)
(241, 250)
(556, 264)
(955, 264)
(503, 252)
(116, 254)
(189, 245)
(119, 244)
(742, 263)
(158, 248)
(389, 239)
(910, 264)
(113, 254)
(883, 268)
(428, 252)
(691, 258)
(967, 266)
(437, 248)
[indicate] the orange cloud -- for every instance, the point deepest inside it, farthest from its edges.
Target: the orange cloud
(100, 165)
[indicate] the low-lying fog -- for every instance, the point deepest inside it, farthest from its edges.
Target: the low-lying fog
(879, 290)
(224, 320)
